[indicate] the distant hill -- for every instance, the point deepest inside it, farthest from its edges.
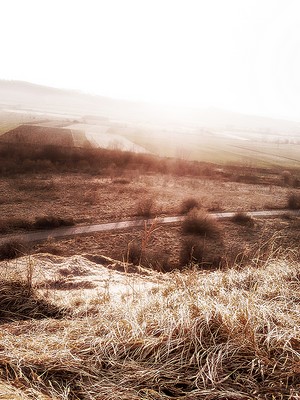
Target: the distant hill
(31, 97)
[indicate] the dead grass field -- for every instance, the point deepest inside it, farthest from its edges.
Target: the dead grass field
(83, 331)
(89, 199)
(78, 322)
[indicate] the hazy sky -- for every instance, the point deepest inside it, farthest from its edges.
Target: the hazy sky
(241, 55)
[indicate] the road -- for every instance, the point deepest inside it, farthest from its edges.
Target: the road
(40, 236)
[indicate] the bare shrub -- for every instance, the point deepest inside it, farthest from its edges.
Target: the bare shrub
(200, 223)
(145, 207)
(294, 201)
(242, 218)
(188, 204)
(191, 251)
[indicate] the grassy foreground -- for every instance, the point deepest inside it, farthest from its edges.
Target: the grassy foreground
(231, 334)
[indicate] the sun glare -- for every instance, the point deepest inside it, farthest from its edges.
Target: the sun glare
(236, 55)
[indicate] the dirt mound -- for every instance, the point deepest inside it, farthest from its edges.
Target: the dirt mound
(70, 277)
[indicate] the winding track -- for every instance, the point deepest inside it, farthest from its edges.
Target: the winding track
(40, 236)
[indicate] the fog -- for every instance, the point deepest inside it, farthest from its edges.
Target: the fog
(236, 55)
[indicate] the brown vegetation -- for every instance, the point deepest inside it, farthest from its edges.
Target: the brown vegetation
(200, 223)
(294, 201)
(242, 218)
(12, 249)
(201, 253)
(201, 333)
(229, 335)
(19, 302)
(145, 207)
(44, 222)
(188, 204)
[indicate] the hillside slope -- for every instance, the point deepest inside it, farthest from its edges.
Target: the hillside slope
(73, 329)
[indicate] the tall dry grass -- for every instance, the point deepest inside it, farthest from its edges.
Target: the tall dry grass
(231, 334)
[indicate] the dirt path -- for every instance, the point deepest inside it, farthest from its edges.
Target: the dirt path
(40, 236)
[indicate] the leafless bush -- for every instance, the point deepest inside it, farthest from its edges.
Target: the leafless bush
(242, 218)
(200, 223)
(188, 204)
(145, 207)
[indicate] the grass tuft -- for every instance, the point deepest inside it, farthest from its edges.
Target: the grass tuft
(145, 207)
(189, 204)
(200, 223)
(242, 218)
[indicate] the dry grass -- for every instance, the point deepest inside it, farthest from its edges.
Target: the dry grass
(200, 223)
(97, 199)
(223, 335)
(188, 204)
(13, 248)
(242, 218)
(201, 253)
(145, 207)
(50, 221)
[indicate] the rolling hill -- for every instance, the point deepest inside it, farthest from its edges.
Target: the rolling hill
(26, 96)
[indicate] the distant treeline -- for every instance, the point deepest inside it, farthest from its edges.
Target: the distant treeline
(26, 158)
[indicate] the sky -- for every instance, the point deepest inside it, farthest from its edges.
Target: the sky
(239, 55)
